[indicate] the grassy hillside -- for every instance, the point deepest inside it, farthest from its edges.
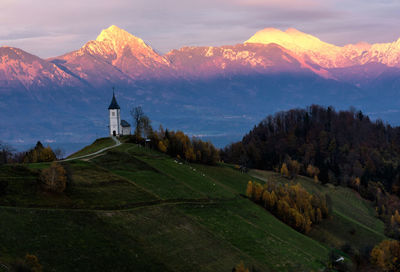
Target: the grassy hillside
(134, 209)
(353, 221)
(95, 146)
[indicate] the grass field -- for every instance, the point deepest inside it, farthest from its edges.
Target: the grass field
(95, 146)
(135, 209)
(353, 220)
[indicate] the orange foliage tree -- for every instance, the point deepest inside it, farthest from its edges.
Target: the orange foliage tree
(290, 203)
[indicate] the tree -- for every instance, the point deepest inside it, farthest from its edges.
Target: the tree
(294, 168)
(313, 171)
(60, 153)
(284, 170)
(54, 178)
(162, 147)
(29, 264)
(240, 268)
(39, 154)
(137, 115)
(6, 152)
(386, 255)
(249, 190)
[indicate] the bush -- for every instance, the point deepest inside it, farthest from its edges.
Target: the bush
(54, 178)
(29, 264)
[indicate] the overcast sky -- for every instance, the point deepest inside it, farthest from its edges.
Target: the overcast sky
(53, 27)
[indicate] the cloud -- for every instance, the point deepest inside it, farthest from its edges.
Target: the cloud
(49, 28)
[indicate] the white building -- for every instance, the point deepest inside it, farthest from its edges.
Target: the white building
(126, 128)
(117, 126)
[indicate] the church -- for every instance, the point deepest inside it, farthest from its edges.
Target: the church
(117, 126)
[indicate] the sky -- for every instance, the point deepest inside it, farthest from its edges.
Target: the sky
(49, 28)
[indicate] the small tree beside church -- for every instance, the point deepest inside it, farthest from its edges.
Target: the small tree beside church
(142, 123)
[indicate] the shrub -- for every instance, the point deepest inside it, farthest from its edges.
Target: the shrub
(54, 178)
(29, 264)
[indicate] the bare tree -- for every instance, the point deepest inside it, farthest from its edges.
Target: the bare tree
(137, 115)
(60, 153)
(6, 152)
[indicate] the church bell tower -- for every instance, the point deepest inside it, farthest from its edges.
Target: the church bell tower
(115, 117)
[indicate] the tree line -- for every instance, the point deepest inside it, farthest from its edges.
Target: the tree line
(290, 203)
(340, 147)
(174, 143)
(38, 153)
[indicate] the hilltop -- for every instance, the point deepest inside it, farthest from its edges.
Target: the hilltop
(132, 208)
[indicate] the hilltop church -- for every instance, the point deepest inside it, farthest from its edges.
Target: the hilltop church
(117, 126)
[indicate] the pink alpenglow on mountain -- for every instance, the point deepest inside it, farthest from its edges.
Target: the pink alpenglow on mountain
(328, 55)
(118, 56)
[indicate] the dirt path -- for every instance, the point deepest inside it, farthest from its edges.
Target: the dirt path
(128, 207)
(117, 143)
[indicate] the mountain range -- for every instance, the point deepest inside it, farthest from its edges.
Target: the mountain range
(209, 91)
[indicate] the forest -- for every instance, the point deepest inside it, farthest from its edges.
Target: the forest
(342, 147)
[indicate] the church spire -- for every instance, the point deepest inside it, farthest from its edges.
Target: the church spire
(114, 105)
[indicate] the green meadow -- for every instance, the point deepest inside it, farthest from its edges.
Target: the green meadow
(135, 209)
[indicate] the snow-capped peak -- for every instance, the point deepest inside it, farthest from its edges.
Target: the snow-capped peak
(291, 39)
(119, 37)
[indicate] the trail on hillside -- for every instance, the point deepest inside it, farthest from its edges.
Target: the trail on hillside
(128, 207)
(117, 143)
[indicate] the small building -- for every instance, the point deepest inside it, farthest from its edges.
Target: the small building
(117, 126)
(126, 128)
(115, 117)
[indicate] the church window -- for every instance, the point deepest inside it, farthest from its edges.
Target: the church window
(113, 113)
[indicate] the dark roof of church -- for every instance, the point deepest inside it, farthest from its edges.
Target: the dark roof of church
(125, 123)
(114, 105)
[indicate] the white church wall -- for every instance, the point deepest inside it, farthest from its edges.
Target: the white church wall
(115, 121)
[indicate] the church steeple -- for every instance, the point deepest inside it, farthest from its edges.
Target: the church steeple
(115, 117)
(114, 105)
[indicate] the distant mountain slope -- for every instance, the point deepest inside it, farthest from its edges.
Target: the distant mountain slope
(201, 90)
(21, 70)
(114, 56)
(329, 55)
(200, 62)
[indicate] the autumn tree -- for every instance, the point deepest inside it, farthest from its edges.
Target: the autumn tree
(240, 268)
(290, 203)
(284, 170)
(162, 147)
(386, 255)
(249, 190)
(313, 171)
(39, 154)
(293, 168)
(29, 264)
(342, 145)
(54, 178)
